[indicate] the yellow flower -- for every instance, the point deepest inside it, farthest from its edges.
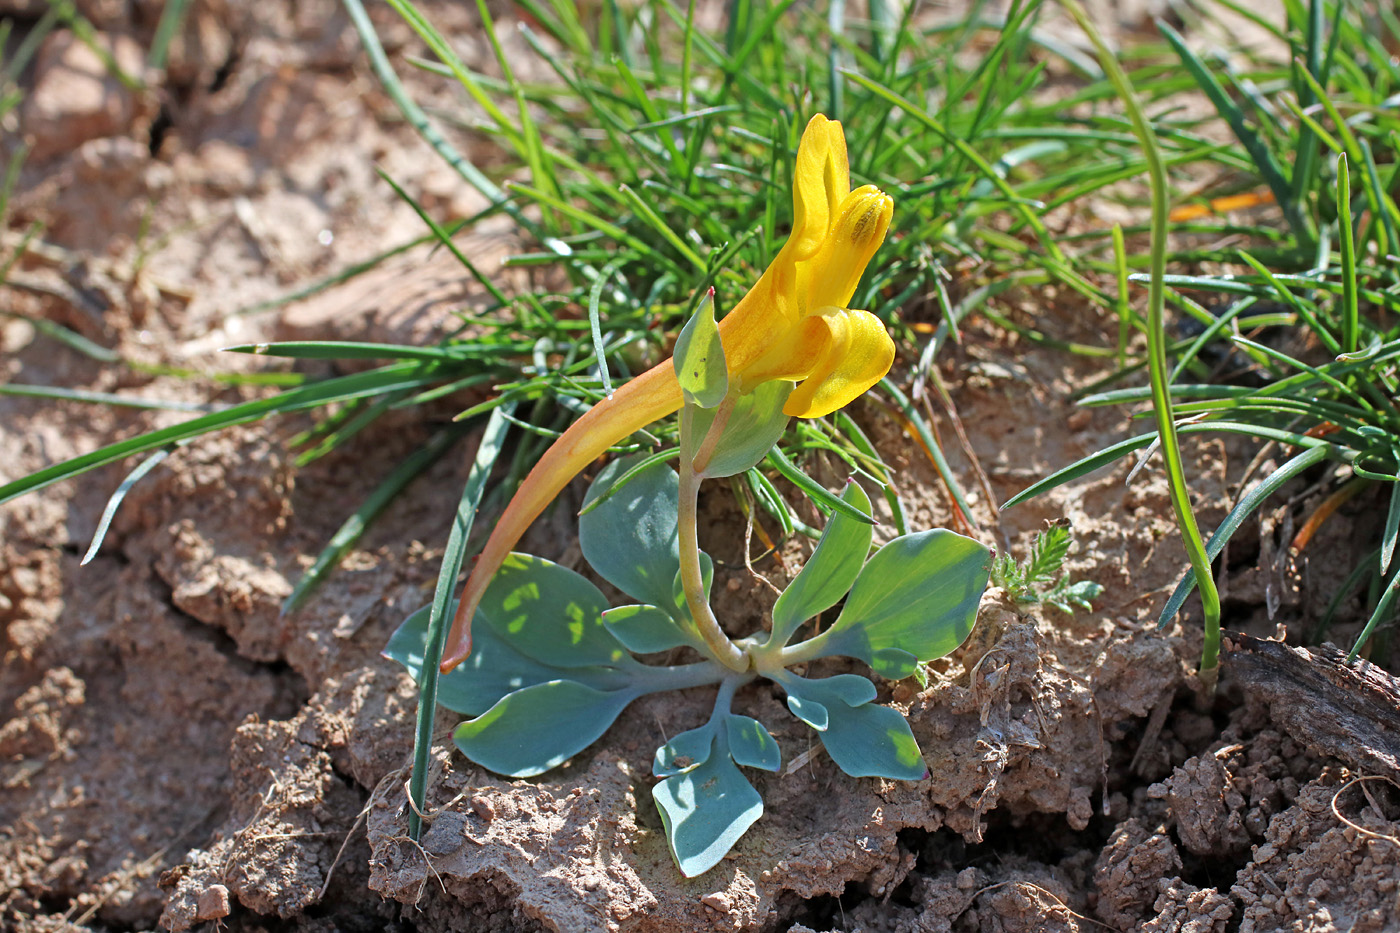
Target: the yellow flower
(793, 325)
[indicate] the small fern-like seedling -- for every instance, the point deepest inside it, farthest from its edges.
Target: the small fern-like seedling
(1041, 578)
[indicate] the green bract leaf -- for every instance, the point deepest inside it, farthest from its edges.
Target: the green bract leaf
(645, 629)
(631, 539)
(686, 751)
(699, 357)
(829, 573)
(551, 614)
(863, 738)
(532, 730)
(750, 743)
(705, 810)
(755, 425)
(491, 671)
(919, 593)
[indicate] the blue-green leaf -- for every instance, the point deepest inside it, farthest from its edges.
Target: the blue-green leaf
(699, 357)
(705, 810)
(873, 741)
(551, 614)
(645, 629)
(811, 712)
(491, 671)
(631, 538)
(829, 573)
(540, 727)
(894, 663)
(686, 751)
(863, 738)
(755, 425)
(919, 593)
(750, 744)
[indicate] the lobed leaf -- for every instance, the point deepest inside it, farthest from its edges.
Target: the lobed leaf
(493, 669)
(750, 743)
(630, 538)
(863, 738)
(686, 751)
(705, 811)
(551, 614)
(918, 594)
(540, 727)
(829, 573)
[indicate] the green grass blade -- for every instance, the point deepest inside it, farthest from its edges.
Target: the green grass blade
(1156, 339)
(487, 453)
(354, 350)
(1392, 529)
(376, 382)
(455, 67)
(767, 496)
(930, 443)
(354, 526)
(1265, 162)
(108, 513)
(102, 398)
(1351, 330)
(379, 63)
(69, 338)
(1242, 510)
(446, 240)
(1387, 600)
(814, 490)
(1382, 204)
(653, 220)
(1082, 467)
(172, 17)
(876, 466)
(1017, 203)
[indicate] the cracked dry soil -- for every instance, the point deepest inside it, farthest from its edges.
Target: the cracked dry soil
(175, 753)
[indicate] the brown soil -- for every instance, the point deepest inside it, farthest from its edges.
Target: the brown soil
(175, 752)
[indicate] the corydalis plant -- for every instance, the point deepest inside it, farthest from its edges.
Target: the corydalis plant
(552, 665)
(793, 327)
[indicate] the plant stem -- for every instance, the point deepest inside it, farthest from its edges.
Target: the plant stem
(692, 581)
(1156, 351)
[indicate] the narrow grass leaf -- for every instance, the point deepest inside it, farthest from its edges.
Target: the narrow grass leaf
(1295, 466)
(1265, 162)
(354, 526)
(488, 452)
(1351, 331)
(1383, 611)
(814, 490)
(108, 513)
(339, 389)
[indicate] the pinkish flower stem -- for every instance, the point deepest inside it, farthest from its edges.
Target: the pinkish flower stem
(694, 459)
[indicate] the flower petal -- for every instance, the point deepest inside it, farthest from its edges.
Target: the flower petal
(820, 181)
(829, 278)
(652, 395)
(793, 355)
(857, 355)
